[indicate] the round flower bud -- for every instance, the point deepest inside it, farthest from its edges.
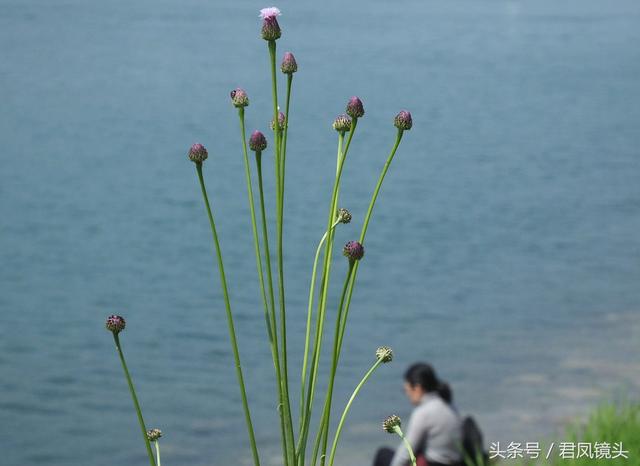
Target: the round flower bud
(281, 122)
(198, 153)
(257, 141)
(270, 27)
(384, 353)
(342, 123)
(239, 98)
(353, 250)
(390, 423)
(344, 216)
(154, 434)
(355, 109)
(115, 324)
(289, 65)
(403, 120)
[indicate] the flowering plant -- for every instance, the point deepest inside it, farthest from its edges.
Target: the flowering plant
(294, 443)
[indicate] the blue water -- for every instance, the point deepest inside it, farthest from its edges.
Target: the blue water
(504, 249)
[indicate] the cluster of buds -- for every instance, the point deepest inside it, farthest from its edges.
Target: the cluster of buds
(391, 423)
(384, 354)
(115, 324)
(198, 153)
(257, 142)
(353, 250)
(239, 98)
(344, 216)
(270, 27)
(154, 434)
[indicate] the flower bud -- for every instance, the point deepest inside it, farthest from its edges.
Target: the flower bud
(257, 141)
(198, 153)
(239, 98)
(390, 423)
(344, 216)
(342, 123)
(384, 353)
(289, 65)
(154, 434)
(115, 324)
(281, 122)
(353, 250)
(355, 109)
(270, 27)
(403, 120)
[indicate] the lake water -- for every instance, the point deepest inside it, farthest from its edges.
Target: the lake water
(504, 248)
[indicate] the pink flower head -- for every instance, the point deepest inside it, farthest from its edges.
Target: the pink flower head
(270, 27)
(257, 141)
(198, 153)
(270, 12)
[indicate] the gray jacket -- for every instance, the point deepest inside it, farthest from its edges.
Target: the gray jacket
(435, 429)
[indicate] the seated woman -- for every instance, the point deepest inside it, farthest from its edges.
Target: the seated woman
(434, 430)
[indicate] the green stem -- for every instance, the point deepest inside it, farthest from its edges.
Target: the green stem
(347, 407)
(324, 284)
(300, 451)
(274, 347)
(135, 399)
(283, 160)
(157, 445)
(407, 445)
(379, 184)
(252, 210)
(365, 225)
(324, 426)
(279, 203)
(230, 324)
(312, 287)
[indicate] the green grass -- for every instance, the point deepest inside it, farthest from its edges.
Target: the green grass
(608, 422)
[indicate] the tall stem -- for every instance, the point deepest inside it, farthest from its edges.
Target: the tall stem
(157, 445)
(347, 407)
(303, 378)
(286, 405)
(365, 225)
(256, 241)
(324, 425)
(407, 445)
(300, 451)
(135, 399)
(274, 347)
(230, 324)
(285, 132)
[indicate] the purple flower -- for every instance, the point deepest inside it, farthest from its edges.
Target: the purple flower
(281, 122)
(289, 65)
(403, 120)
(342, 123)
(270, 27)
(353, 250)
(239, 97)
(270, 12)
(115, 324)
(355, 109)
(198, 153)
(257, 141)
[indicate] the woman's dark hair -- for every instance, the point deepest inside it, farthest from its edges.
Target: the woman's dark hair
(424, 375)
